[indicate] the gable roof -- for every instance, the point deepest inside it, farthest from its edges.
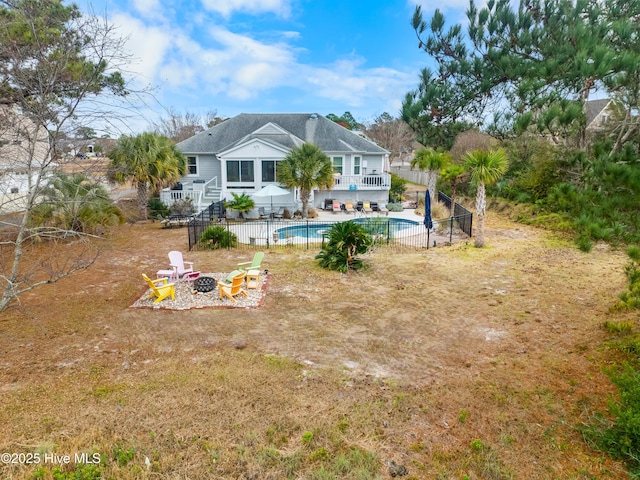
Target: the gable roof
(594, 107)
(286, 129)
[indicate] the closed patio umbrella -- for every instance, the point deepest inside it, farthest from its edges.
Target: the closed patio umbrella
(271, 191)
(428, 222)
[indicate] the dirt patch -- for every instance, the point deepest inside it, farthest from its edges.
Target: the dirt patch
(509, 334)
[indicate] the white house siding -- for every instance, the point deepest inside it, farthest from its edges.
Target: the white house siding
(25, 162)
(255, 151)
(208, 168)
(258, 137)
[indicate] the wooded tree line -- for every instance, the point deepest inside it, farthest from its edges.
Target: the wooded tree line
(58, 69)
(531, 68)
(525, 74)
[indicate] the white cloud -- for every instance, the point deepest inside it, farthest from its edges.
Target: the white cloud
(228, 67)
(244, 67)
(147, 8)
(350, 82)
(148, 45)
(227, 7)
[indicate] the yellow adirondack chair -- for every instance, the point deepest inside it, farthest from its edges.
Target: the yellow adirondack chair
(230, 291)
(160, 288)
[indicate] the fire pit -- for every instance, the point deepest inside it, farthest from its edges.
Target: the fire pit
(204, 284)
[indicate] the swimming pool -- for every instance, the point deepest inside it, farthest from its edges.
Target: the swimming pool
(312, 230)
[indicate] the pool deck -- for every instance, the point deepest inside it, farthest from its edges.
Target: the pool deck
(329, 216)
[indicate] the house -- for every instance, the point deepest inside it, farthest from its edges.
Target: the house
(241, 155)
(25, 161)
(598, 113)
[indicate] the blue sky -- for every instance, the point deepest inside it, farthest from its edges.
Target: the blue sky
(236, 56)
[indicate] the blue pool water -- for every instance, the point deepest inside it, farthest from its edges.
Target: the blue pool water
(315, 230)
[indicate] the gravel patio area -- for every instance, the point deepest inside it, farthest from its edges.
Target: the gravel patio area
(186, 299)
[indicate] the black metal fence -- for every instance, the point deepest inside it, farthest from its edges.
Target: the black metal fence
(462, 216)
(307, 234)
(393, 233)
(387, 231)
(211, 215)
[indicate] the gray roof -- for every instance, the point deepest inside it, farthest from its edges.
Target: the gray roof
(300, 128)
(594, 107)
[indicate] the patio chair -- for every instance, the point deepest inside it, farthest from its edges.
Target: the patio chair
(336, 206)
(366, 206)
(230, 291)
(179, 265)
(382, 208)
(253, 264)
(229, 277)
(262, 214)
(279, 213)
(160, 288)
(348, 206)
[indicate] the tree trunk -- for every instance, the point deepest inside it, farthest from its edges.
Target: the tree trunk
(481, 206)
(628, 128)
(304, 198)
(432, 180)
(453, 198)
(143, 198)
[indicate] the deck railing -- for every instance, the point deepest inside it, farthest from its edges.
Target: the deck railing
(373, 181)
(169, 197)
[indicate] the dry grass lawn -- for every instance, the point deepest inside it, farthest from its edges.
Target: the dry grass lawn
(447, 363)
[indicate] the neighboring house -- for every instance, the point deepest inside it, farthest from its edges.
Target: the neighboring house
(598, 113)
(24, 159)
(242, 155)
(73, 148)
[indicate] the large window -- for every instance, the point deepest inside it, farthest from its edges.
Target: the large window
(268, 171)
(356, 165)
(337, 165)
(240, 171)
(192, 165)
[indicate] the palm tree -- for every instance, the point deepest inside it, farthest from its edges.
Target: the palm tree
(242, 203)
(306, 168)
(346, 241)
(485, 167)
(432, 161)
(150, 161)
(452, 173)
(77, 203)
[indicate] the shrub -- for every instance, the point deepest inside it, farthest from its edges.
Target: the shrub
(631, 298)
(215, 237)
(76, 202)
(157, 207)
(395, 207)
(622, 438)
(346, 240)
(398, 187)
(183, 207)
